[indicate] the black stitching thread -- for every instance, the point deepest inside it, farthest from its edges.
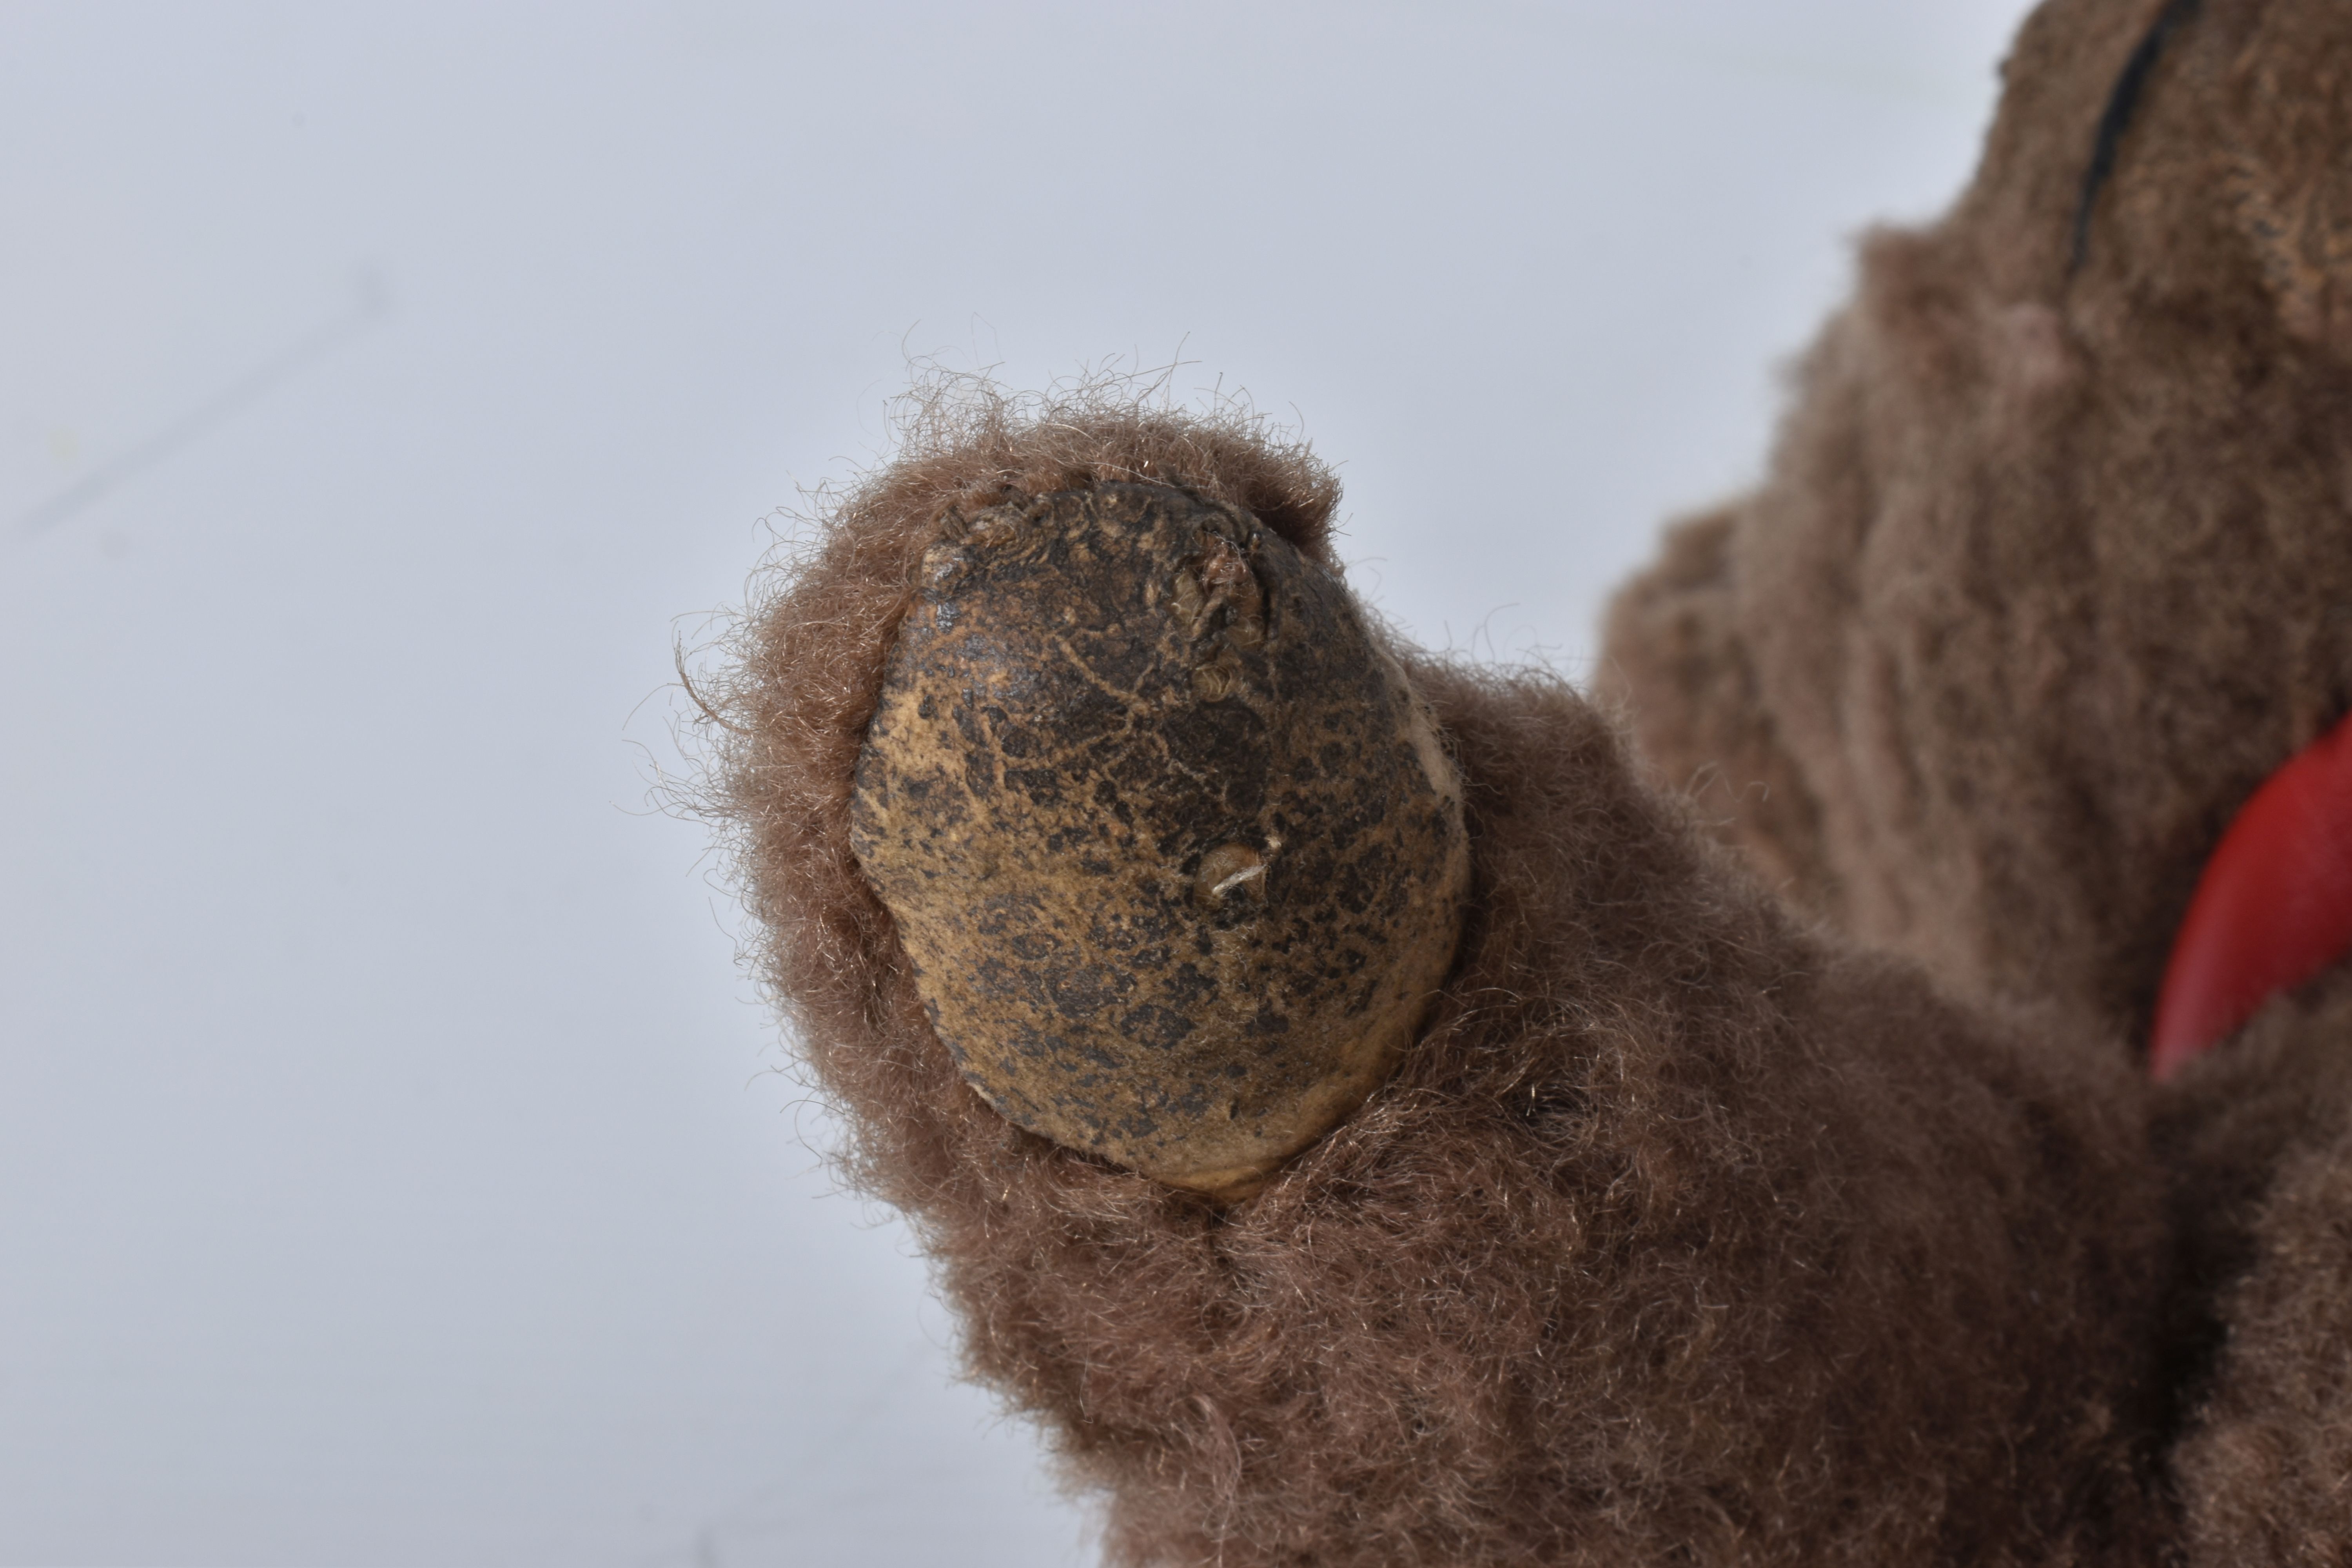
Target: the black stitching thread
(2121, 104)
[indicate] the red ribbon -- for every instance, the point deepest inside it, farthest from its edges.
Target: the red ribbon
(2273, 910)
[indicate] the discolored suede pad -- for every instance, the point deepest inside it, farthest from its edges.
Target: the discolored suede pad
(1172, 846)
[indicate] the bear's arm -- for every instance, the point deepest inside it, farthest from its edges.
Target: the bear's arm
(1681, 1236)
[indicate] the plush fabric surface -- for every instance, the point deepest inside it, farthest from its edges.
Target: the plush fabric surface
(1682, 1235)
(2050, 572)
(1777, 1183)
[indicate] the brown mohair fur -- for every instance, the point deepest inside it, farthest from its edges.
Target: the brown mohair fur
(1797, 1207)
(2051, 570)
(1683, 1235)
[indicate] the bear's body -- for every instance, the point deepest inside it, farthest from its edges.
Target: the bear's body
(1776, 1179)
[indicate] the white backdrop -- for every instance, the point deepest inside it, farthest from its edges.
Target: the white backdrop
(392, 1164)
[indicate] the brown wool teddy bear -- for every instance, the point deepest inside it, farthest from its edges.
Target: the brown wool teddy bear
(1380, 1111)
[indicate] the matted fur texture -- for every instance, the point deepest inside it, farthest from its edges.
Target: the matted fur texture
(1683, 1236)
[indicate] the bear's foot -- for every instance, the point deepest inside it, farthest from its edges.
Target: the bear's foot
(1172, 846)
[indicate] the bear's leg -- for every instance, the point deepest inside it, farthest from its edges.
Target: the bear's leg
(1678, 1234)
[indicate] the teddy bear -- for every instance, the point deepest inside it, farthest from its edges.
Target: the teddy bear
(1373, 1108)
